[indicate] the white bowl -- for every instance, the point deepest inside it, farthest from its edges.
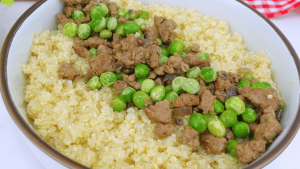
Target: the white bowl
(258, 32)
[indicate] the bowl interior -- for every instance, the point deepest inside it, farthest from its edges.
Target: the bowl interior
(257, 34)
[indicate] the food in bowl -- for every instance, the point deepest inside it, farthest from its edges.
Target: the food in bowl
(119, 92)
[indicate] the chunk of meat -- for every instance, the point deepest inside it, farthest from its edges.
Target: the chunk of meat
(224, 82)
(87, 18)
(175, 64)
(213, 144)
(119, 86)
(104, 50)
(61, 18)
(150, 33)
(206, 103)
(195, 48)
(165, 28)
(122, 20)
(158, 82)
(204, 86)
(68, 72)
(80, 48)
(94, 42)
(252, 127)
(160, 112)
(101, 64)
(186, 100)
(76, 1)
(229, 134)
(89, 6)
(113, 8)
(250, 150)
(116, 43)
(131, 81)
(163, 130)
(151, 75)
(259, 97)
(147, 102)
(68, 11)
(190, 138)
(104, 2)
(193, 59)
(153, 58)
(160, 70)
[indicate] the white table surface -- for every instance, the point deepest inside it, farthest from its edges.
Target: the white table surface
(14, 152)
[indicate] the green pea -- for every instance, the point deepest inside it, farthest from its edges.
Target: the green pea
(193, 73)
(141, 34)
(159, 41)
(267, 84)
(183, 54)
(127, 94)
(230, 147)
(189, 48)
(118, 104)
(98, 24)
(209, 117)
(119, 76)
(203, 56)
(122, 13)
(243, 83)
(250, 105)
(240, 129)
(144, 15)
(198, 122)
(138, 99)
(176, 46)
(70, 29)
(132, 15)
(120, 30)
(140, 22)
(97, 12)
(131, 27)
(158, 93)
(112, 23)
(191, 86)
(249, 115)
(94, 83)
(141, 70)
(164, 52)
(228, 117)
(93, 51)
(77, 15)
(177, 84)
(162, 60)
(171, 96)
(105, 34)
(104, 8)
(282, 107)
(169, 88)
(108, 78)
(142, 79)
(258, 85)
(84, 31)
(208, 74)
(218, 106)
(147, 85)
(216, 127)
(249, 75)
(235, 104)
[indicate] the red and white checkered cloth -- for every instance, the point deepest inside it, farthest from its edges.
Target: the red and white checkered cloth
(272, 8)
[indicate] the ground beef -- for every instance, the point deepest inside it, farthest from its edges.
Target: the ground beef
(88, 7)
(165, 28)
(101, 64)
(76, 1)
(190, 138)
(80, 49)
(154, 58)
(116, 43)
(204, 86)
(250, 150)
(252, 127)
(150, 33)
(163, 130)
(68, 11)
(224, 82)
(160, 112)
(61, 18)
(213, 144)
(151, 75)
(113, 8)
(160, 70)
(186, 100)
(68, 72)
(104, 50)
(122, 20)
(260, 98)
(193, 59)
(147, 102)
(119, 86)
(158, 82)
(229, 134)
(176, 65)
(195, 48)
(131, 81)
(94, 42)
(206, 103)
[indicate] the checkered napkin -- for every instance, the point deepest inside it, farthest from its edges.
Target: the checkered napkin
(272, 8)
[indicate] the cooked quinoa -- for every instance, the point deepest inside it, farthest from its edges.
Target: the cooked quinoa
(82, 125)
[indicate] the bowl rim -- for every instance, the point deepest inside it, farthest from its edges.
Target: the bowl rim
(64, 160)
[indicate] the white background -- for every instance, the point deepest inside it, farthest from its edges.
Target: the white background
(14, 152)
